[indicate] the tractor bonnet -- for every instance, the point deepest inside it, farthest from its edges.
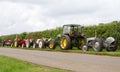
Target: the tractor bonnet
(109, 40)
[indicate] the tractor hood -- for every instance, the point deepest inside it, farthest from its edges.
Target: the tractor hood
(109, 40)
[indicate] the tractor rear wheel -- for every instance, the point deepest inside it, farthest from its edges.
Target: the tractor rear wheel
(97, 44)
(41, 43)
(52, 44)
(65, 42)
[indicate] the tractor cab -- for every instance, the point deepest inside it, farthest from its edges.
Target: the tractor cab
(71, 30)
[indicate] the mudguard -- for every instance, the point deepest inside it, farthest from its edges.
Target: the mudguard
(90, 41)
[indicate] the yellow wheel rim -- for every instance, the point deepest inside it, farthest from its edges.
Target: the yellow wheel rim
(82, 42)
(63, 42)
(15, 43)
(51, 44)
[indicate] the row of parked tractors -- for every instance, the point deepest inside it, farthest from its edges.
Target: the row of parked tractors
(40, 42)
(71, 36)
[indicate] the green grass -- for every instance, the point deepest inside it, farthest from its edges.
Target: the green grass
(8, 64)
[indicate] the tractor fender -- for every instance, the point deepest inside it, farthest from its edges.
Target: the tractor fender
(108, 41)
(90, 41)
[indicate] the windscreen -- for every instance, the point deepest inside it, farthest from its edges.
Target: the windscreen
(66, 29)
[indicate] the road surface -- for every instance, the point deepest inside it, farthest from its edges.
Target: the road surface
(76, 62)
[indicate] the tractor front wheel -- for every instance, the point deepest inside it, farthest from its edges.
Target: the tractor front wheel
(82, 44)
(85, 48)
(52, 44)
(65, 42)
(41, 44)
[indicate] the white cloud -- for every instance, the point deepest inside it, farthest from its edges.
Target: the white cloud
(18, 16)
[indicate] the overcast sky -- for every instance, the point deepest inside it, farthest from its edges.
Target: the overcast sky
(18, 16)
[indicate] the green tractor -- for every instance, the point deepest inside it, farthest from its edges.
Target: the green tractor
(70, 37)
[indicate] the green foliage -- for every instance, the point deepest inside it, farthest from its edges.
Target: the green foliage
(0, 39)
(23, 35)
(51, 33)
(7, 37)
(104, 30)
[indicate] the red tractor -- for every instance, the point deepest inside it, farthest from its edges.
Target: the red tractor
(23, 42)
(6, 43)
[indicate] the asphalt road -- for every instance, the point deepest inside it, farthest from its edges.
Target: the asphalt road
(76, 62)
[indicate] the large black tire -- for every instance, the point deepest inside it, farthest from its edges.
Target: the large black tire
(52, 44)
(98, 44)
(65, 42)
(112, 47)
(41, 44)
(27, 43)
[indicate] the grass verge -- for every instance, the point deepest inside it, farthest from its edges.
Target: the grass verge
(8, 64)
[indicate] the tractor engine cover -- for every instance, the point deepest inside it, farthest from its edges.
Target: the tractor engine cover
(110, 44)
(108, 41)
